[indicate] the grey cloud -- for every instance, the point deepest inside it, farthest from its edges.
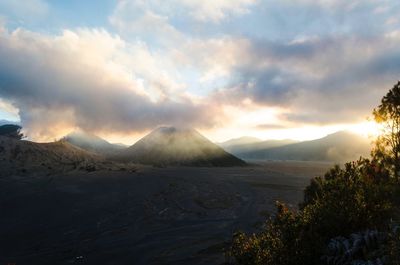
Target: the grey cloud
(269, 86)
(333, 80)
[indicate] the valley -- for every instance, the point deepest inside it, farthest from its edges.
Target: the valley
(172, 215)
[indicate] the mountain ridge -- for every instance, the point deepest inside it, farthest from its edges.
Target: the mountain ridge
(26, 156)
(240, 141)
(337, 147)
(92, 143)
(253, 146)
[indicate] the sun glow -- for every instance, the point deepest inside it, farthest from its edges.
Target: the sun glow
(368, 129)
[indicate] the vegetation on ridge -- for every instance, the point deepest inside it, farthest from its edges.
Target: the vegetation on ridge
(12, 131)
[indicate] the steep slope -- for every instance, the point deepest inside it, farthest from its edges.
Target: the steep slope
(337, 147)
(177, 146)
(92, 143)
(250, 147)
(24, 156)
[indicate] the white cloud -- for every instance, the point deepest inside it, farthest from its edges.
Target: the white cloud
(140, 20)
(8, 110)
(217, 10)
(150, 22)
(92, 80)
(215, 57)
(140, 15)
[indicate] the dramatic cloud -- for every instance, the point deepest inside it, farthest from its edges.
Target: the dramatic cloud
(328, 68)
(92, 80)
(321, 80)
(212, 63)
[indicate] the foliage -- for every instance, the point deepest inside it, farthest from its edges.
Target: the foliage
(278, 243)
(354, 198)
(388, 143)
(342, 212)
(12, 131)
(346, 200)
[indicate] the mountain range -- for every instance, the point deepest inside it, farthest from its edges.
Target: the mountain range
(341, 146)
(184, 146)
(251, 144)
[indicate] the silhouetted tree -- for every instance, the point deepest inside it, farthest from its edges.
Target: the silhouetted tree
(387, 148)
(12, 131)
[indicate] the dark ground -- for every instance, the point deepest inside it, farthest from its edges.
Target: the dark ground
(152, 216)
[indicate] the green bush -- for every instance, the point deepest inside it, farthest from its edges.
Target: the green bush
(346, 200)
(278, 243)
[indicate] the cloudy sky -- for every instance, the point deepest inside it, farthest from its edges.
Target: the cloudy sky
(265, 68)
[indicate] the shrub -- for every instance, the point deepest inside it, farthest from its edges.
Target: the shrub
(278, 243)
(346, 200)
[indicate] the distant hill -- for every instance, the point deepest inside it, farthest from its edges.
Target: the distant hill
(240, 141)
(337, 147)
(26, 156)
(177, 146)
(235, 147)
(92, 143)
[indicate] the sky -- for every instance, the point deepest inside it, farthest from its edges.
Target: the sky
(273, 69)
